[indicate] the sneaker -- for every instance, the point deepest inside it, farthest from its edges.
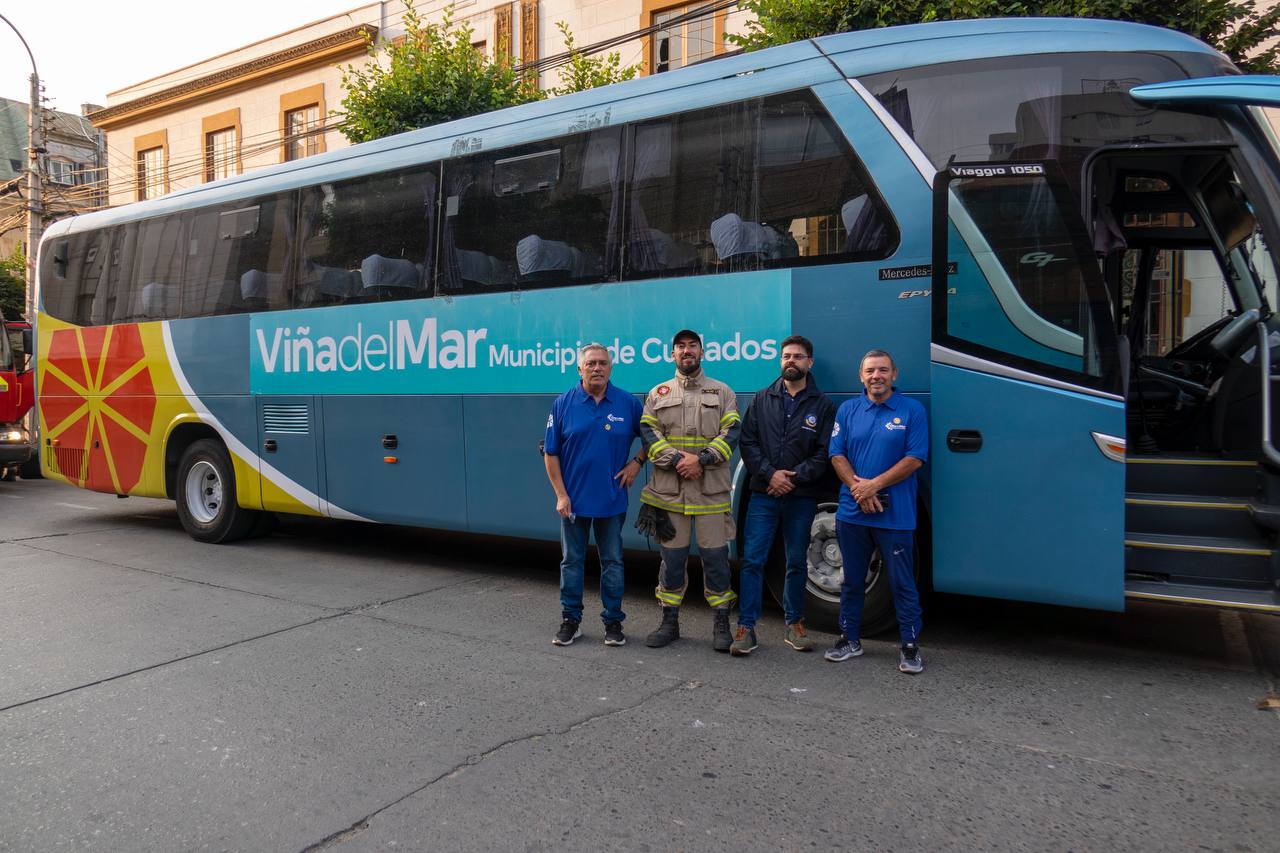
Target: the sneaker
(798, 638)
(569, 631)
(843, 650)
(744, 641)
(909, 660)
(613, 635)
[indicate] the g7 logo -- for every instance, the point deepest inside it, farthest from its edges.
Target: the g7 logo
(1040, 259)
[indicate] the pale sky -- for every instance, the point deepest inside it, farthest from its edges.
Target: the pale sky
(86, 48)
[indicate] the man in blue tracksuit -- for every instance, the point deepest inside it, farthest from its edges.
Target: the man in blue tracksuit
(878, 442)
(784, 446)
(587, 454)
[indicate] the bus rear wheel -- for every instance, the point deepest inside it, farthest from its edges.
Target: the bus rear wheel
(206, 495)
(825, 574)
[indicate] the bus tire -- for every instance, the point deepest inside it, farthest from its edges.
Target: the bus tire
(206, 495)
(825, 574)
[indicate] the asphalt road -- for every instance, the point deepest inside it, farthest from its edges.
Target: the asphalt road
(354, 687)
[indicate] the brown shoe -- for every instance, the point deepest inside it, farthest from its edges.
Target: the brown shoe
(744, 642)
(798, 638)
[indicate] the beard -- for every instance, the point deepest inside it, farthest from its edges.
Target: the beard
(791, 374)
(690, 368)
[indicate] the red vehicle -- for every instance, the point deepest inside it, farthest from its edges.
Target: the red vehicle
(17, 393)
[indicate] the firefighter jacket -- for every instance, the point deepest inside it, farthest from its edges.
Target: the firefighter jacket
(694, 414)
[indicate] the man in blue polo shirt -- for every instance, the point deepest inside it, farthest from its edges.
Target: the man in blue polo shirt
(587, 449)
(878, 442)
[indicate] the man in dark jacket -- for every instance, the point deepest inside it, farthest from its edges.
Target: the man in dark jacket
(784, 446)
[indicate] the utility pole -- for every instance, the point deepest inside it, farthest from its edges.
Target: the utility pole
(35, 147)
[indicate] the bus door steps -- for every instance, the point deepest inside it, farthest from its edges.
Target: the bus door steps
(1191, 475)
(1199, 559)
(1266, 600)
(1190, 515)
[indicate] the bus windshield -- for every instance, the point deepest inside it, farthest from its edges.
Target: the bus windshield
(1053, 107)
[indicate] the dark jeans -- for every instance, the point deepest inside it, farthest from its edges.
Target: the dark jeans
(857, 543)
(764, 516)
(573, 548)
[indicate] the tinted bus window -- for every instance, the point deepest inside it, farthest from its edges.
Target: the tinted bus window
(369, 239)
(536, 215)
(157, 277)
(108, 291)
(1058, 106)
(239, 257)
(761, 183)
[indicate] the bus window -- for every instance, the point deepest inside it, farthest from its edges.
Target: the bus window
(369, 239)
(1039, 303)
(157, 278)
(110, 294)
(238, 257)
(750, 185)
(538, 215)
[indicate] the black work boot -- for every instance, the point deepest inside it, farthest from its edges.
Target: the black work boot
(721, 638)
(668, 631)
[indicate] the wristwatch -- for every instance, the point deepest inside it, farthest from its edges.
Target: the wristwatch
(639, 460)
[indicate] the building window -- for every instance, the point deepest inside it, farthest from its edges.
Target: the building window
(302, 132)
(61, 172)
(151, 173)
(220, 154)
(678, 44)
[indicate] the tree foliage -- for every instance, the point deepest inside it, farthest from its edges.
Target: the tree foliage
(587, 72)
(431, 76)
(13, 285)
(1236, 27)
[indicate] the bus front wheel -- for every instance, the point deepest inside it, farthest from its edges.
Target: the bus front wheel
(206, 495)
(825, 574)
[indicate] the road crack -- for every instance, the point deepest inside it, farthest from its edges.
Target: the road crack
(347, 833)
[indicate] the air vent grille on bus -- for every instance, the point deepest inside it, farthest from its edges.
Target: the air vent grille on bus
(290, 418)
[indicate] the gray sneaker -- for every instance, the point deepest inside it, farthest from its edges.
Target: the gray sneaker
(843, 650)
(798, 638)
(744, 641)
(909, 660)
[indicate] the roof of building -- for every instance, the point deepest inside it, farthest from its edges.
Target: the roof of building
(13, 134)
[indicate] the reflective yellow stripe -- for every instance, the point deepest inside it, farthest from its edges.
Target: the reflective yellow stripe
(684, 509)
(723, 446)
(730, 417)
(657, 447)
(723, 598)
(672, 598)
(647, 419)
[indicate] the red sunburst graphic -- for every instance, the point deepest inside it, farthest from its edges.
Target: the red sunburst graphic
(98, 404)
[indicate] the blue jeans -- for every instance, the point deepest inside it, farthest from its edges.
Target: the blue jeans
(573, 548)
(764, 514)
(857, 543)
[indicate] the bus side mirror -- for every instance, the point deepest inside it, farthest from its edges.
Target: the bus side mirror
(28, 344)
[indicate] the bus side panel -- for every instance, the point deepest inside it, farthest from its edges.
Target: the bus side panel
(1028, 516)
(102, 405)
(423, 484)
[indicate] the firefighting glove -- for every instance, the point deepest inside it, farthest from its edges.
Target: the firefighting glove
(655, 523)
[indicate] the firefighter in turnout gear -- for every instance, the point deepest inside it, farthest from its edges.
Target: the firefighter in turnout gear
(690, 426)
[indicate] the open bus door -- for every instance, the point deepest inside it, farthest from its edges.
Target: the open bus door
(1027, 417)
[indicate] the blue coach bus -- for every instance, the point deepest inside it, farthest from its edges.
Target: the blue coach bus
(1060, 228)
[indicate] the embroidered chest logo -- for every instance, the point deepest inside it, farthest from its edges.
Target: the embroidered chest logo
(811, 420)
(614, 418)
(663, 390)
(895, 424)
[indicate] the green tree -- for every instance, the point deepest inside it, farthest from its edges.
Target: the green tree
(431, 76)
(1236, 27)
(13, 285)
(587, 72)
